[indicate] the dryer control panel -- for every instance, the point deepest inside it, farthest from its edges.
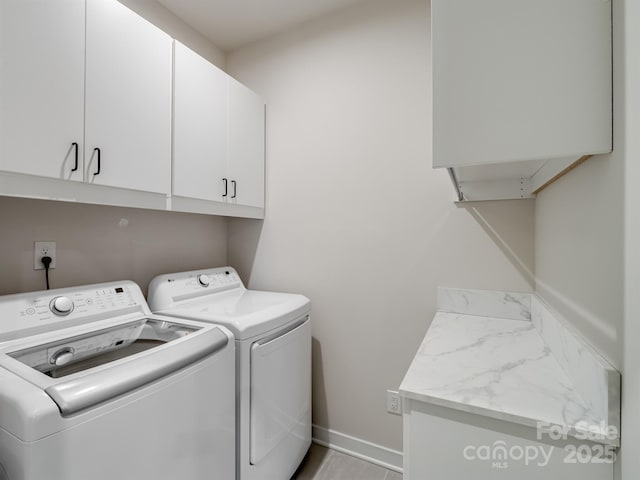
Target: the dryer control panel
(35, 312)
(166, 290)
(215, 280)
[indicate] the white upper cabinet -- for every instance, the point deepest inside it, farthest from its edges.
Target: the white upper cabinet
(199, 126)
(128, 100)
(246, 146)
(218, 135)
(42, 87)
(93, 93)
(519, 82)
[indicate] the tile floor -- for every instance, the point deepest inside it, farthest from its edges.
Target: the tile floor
(324, 464)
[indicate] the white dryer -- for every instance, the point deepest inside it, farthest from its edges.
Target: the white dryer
(93, 386)
(273, 350)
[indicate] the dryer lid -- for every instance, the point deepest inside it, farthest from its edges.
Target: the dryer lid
(247, 313)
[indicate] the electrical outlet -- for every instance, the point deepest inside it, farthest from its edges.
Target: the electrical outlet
(394, 402)
(44, 249)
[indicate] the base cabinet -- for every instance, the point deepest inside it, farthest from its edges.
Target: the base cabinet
(444, 444)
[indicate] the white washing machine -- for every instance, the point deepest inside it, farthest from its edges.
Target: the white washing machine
(273, 350)
(93, 386)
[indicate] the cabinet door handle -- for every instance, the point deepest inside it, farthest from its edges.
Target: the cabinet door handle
(97, 172)
(233, 182)
(226, 189)
(75, 145)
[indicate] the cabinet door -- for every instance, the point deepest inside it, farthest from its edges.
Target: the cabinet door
(246, 146)
(199, 126)
(517, 80)
(443, 444)
(128, 99)
(42, 87)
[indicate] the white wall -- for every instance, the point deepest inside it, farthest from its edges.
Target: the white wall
(579, 250)
(579, 238)
(100, 243)
(588, 233)
(631, 138)
(355, 217)
(161, 17)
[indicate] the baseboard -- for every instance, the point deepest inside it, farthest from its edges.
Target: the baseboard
(356, 447)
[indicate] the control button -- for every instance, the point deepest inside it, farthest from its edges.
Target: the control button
(61, 306)
(30, 311)
(204, 280)
(62, 356)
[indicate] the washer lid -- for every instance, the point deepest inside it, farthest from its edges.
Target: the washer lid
(82, 367)
(246, 313)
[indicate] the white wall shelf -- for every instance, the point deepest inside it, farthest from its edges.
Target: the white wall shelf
(510, 180)
(521, 92)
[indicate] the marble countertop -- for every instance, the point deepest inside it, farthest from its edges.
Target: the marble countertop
(500, 368)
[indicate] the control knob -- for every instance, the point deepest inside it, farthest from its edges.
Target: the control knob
(61, 306)
(204, 280)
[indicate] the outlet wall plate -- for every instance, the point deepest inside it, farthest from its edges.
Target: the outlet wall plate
(44, 249)
(394, 402)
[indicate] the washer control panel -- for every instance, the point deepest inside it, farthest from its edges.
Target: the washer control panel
(38, 310)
